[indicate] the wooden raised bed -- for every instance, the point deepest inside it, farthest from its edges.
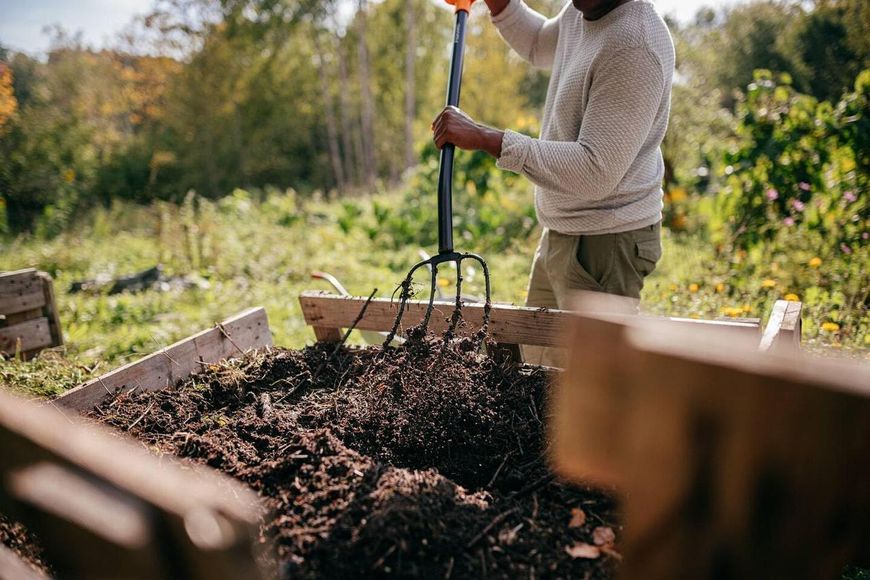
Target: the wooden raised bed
(512, 326)
(105, 507)
(730, 459)
(113, 473)
(28, 313)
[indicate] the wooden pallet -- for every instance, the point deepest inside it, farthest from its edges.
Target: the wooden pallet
(730, 458)
(28, 313)
(512, 326)
(104, 507)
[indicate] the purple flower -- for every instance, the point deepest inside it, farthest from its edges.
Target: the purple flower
(788, 221)
(845, 249)
(850, 197)
(798, 205)
(865, 236)
(804, 186)
(772, 194)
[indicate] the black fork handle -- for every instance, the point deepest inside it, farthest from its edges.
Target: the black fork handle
(445, 176)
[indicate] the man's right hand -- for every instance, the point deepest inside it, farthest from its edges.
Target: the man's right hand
(496, 6)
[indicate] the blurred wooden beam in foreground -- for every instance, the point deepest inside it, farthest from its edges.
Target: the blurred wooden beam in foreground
(104, 507)
(736, 460)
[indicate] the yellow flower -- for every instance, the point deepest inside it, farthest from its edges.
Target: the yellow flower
(674, 287)
(694, 288)
(830, 327)
(792, 297)
(443, 282)
(815, 262)
(867, 339)
(678, 194)
(720, 288)
(732, 311)
(69, 175)
(747, 308)
(768, 283)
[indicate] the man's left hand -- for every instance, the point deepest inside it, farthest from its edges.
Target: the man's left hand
(455, 127)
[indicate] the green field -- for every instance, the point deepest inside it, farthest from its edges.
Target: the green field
(248, 250)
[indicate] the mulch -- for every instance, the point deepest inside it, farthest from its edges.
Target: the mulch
(422, 461)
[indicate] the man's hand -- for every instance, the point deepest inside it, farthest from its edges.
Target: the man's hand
(455, 127)
(496, 6)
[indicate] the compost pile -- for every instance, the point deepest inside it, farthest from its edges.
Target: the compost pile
(423, 461)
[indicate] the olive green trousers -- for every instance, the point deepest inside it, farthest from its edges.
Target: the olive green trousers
(611, 263)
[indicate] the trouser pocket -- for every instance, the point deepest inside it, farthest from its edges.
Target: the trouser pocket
(612, 263)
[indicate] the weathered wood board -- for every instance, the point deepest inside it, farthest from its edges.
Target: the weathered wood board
(247, 330)
(509, 325)
(28, 313)
(104, 507)
(26, 336)
(20, 291)
(730, 458)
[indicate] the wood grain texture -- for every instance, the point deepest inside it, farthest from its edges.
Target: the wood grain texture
(169, 366)
(20, 291)
(509, 325)
(104, 507)
(729, 458)
(32, 334)
(783, 331)
(14, 568)
(51, 310)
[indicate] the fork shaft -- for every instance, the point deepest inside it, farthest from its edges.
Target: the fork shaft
(445, 175)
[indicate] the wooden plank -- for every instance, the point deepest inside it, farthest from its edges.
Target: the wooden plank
(736, 458)
(51, 310)
(783, 331)
(33, 334)
(166, 367)
(20, 291)
(509, 324)
(18, 317)
(104, 507)
(14, 568)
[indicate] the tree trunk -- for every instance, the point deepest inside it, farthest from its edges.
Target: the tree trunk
(410, 84)
(329, 113)
(368, 112)
(352, 149)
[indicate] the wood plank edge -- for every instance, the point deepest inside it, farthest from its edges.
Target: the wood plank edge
(71, 399)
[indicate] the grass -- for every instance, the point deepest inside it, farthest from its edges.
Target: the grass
(239, 253)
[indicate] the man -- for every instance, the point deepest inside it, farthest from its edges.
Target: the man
(597, 165)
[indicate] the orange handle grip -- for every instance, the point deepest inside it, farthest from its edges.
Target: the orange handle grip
(461, 4)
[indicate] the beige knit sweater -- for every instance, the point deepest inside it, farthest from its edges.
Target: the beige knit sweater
(597, 166)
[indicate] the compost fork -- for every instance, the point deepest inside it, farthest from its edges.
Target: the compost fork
(446, 253)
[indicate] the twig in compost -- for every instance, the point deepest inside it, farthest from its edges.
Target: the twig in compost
(497, 471)
(338, 346)
(226, 334)
(496, 521)
(142, 416)
(534, 486)
(356, 321)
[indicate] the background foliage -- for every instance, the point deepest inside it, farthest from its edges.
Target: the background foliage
(243, 143)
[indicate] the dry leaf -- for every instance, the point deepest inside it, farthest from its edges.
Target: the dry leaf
(582, 550)
(578, 518)
(603, 536)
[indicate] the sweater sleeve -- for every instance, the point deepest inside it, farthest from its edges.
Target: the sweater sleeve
(532, 36)
(624, 99)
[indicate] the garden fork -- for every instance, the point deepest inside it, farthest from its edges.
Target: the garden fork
(446, 252)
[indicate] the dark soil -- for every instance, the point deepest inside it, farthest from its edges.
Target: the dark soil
(416, 462)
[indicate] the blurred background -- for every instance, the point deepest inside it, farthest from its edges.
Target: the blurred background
(243, 143)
